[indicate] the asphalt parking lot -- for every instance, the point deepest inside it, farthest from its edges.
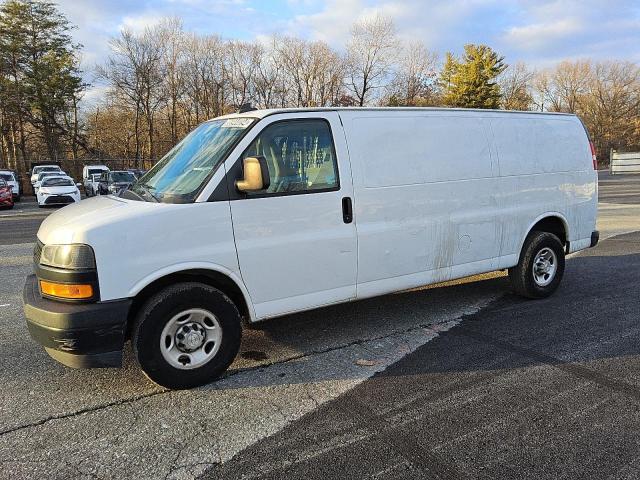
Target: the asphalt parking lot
(468, 381)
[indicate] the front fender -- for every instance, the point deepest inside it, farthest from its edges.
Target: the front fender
(182, 267)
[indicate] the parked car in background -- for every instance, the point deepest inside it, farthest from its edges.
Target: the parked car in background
(45, 174)
(89, 173)
(6, 197)
(42, 168)
(112, 183)
(58, 190)
(10, 177)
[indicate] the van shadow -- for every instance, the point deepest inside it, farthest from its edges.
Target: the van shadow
(337, 326)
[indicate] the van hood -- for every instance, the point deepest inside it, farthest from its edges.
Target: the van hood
(56, 190)
(74, 223)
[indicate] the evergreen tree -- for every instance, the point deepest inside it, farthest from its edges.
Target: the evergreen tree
(470, 82)
(42, 65)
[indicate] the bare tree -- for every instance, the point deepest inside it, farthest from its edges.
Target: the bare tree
(242, 64)
(134, 71)
(206, 77)
(515, 86)
(269, 88)
(170, 33)
(370, 54)
(414, 79)
(313, 72)
(611, 109)
(561, 88)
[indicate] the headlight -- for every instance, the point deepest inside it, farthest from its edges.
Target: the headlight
(113, 188)
(73, 257)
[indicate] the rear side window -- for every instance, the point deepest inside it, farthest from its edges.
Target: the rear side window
(300, 156)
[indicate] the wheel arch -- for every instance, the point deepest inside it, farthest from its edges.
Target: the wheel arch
(224, 281)
(552, 222)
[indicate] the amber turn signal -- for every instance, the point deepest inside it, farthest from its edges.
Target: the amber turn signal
(62, 290)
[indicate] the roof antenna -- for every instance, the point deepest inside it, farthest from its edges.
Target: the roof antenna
(246, 107)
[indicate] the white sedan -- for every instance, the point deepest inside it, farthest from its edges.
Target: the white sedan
(57, 191)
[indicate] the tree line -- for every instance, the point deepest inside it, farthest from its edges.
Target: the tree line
(161, 82)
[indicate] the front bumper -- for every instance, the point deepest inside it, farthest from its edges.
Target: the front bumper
(61, 199)
(85, 335)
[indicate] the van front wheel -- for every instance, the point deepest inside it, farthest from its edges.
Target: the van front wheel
(541, 266)
(186, 335)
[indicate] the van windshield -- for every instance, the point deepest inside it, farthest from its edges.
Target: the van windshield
(49, 168)
(57, 182)
(180, 175)
(122, 177)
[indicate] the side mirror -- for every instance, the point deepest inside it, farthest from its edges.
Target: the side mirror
(256, 175)
(78, 185)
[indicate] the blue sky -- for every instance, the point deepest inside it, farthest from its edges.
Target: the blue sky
(538, 32)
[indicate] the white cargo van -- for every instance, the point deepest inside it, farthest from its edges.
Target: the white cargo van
(89, 180)
(265, 213)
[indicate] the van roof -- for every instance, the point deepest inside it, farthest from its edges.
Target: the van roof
(266, 112)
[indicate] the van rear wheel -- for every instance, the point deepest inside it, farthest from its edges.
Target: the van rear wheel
(186, 335)
(541, 266)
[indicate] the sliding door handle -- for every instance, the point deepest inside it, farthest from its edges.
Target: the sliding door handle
(347, 210)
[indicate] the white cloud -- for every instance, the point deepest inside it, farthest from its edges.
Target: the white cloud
(431, 21)
(539, 35)
(94, 95)
(139, 23)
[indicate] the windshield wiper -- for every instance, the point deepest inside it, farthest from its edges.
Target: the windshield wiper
(147, 189)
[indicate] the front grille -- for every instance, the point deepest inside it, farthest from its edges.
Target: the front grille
(58, 199)
(37, 252)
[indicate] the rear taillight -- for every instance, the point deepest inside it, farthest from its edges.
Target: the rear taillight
(593, 156)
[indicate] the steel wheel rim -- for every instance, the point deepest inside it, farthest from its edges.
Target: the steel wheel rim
(190, 339)
(545, 266)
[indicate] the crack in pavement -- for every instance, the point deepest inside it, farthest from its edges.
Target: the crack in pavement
(75, 413)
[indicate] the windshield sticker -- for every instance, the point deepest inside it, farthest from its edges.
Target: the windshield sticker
(237, 123)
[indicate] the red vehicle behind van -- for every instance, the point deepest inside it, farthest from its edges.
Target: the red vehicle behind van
(6, 198)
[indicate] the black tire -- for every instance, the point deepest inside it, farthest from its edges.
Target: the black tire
(154, 315)
(17, 199)
(522, 276)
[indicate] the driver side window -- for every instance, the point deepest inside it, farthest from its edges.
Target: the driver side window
(299, 154)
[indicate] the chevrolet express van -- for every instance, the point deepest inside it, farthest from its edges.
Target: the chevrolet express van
(261, 214)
